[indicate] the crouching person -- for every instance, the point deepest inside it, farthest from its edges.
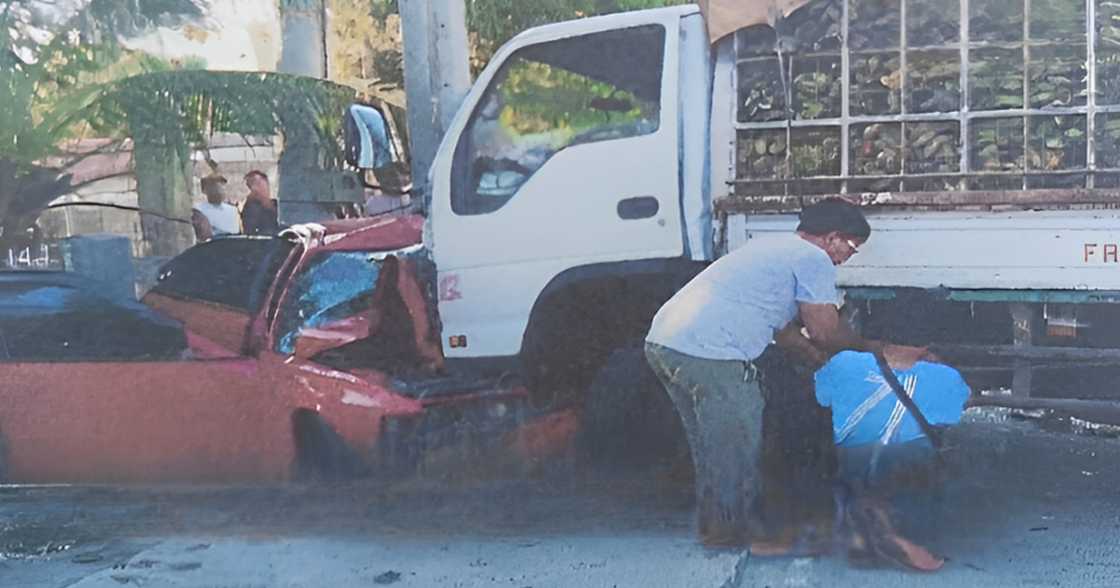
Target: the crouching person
(879, 443)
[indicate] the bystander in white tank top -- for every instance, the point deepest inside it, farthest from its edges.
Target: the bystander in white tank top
(224, 218)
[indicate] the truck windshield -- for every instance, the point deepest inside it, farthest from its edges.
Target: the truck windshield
(334, 286)
(552, 96)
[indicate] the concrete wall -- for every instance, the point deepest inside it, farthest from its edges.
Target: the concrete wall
(235, 157)
(233, 154)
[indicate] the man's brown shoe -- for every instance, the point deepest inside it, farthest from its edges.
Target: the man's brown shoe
(872, 524)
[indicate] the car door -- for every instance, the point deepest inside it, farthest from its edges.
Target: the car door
(142, 422)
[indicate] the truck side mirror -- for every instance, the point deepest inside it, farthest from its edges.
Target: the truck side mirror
(371, 148)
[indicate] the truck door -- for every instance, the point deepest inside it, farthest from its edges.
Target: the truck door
(565, 154)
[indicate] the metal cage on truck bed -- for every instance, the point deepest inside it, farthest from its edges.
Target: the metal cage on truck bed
(999, 117)
(938, 96)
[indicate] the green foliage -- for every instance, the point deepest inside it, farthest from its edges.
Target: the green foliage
(493, 22)
(79, 81)
(45, 85)
(496, 21)
(540, 98)
(111, 18)
(381, 9)
(365, 52)
(183, 108)
(69, 83)
(52, 83)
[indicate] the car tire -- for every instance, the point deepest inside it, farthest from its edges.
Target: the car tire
(321, 453)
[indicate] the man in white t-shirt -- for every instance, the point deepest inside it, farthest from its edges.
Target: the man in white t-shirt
(215, 217)
(706, 342)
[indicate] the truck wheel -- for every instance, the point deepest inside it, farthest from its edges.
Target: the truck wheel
(321, 453)
(628, 417)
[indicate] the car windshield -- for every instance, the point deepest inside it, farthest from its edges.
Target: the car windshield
(334, 286)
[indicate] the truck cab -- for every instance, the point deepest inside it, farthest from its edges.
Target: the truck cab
(572, 176)
(569, 197)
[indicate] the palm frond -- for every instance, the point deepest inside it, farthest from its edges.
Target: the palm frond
(188, 106)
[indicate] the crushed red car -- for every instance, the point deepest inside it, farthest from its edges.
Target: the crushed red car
(311, 354)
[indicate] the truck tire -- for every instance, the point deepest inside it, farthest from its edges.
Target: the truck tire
(321, 453)
(628, 417)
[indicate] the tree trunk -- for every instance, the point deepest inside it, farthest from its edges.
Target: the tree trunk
(162, 186)
(24, 192)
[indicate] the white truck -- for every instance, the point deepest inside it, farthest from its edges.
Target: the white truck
(597, 164)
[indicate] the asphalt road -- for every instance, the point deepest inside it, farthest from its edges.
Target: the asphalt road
(1025, 505)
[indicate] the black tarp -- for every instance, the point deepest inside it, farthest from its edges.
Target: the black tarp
(58, 316)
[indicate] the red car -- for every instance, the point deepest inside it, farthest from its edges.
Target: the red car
(311, 354)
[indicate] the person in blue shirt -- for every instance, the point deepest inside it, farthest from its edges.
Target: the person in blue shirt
(877, 437)
(866, 411)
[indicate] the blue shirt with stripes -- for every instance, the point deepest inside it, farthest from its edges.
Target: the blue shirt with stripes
(865, 410)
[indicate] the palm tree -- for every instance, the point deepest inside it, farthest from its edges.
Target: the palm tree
(68, 86)
(54, 57)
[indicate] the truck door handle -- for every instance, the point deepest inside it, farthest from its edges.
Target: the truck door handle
(638, 207)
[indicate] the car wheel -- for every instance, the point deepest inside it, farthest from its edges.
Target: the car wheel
(321, 453)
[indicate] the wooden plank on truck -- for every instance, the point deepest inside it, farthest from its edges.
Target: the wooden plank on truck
(945, 200)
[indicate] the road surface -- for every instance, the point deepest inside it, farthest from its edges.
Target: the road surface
(1024, 506)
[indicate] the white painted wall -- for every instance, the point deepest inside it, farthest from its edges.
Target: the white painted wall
(234, 156)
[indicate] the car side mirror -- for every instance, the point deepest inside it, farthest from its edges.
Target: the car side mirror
(372, 147)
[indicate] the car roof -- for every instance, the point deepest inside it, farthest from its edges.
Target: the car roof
(380, 233)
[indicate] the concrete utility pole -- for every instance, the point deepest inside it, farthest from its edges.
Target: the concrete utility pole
(304, 53)
(436, 76)
(304, 43)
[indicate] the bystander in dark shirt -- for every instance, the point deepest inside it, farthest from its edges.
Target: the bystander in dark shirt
(258, 219)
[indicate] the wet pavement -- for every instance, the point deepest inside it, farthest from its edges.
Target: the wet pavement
(1024, 505)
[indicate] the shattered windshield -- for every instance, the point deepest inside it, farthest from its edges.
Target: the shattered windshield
(334, 286)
